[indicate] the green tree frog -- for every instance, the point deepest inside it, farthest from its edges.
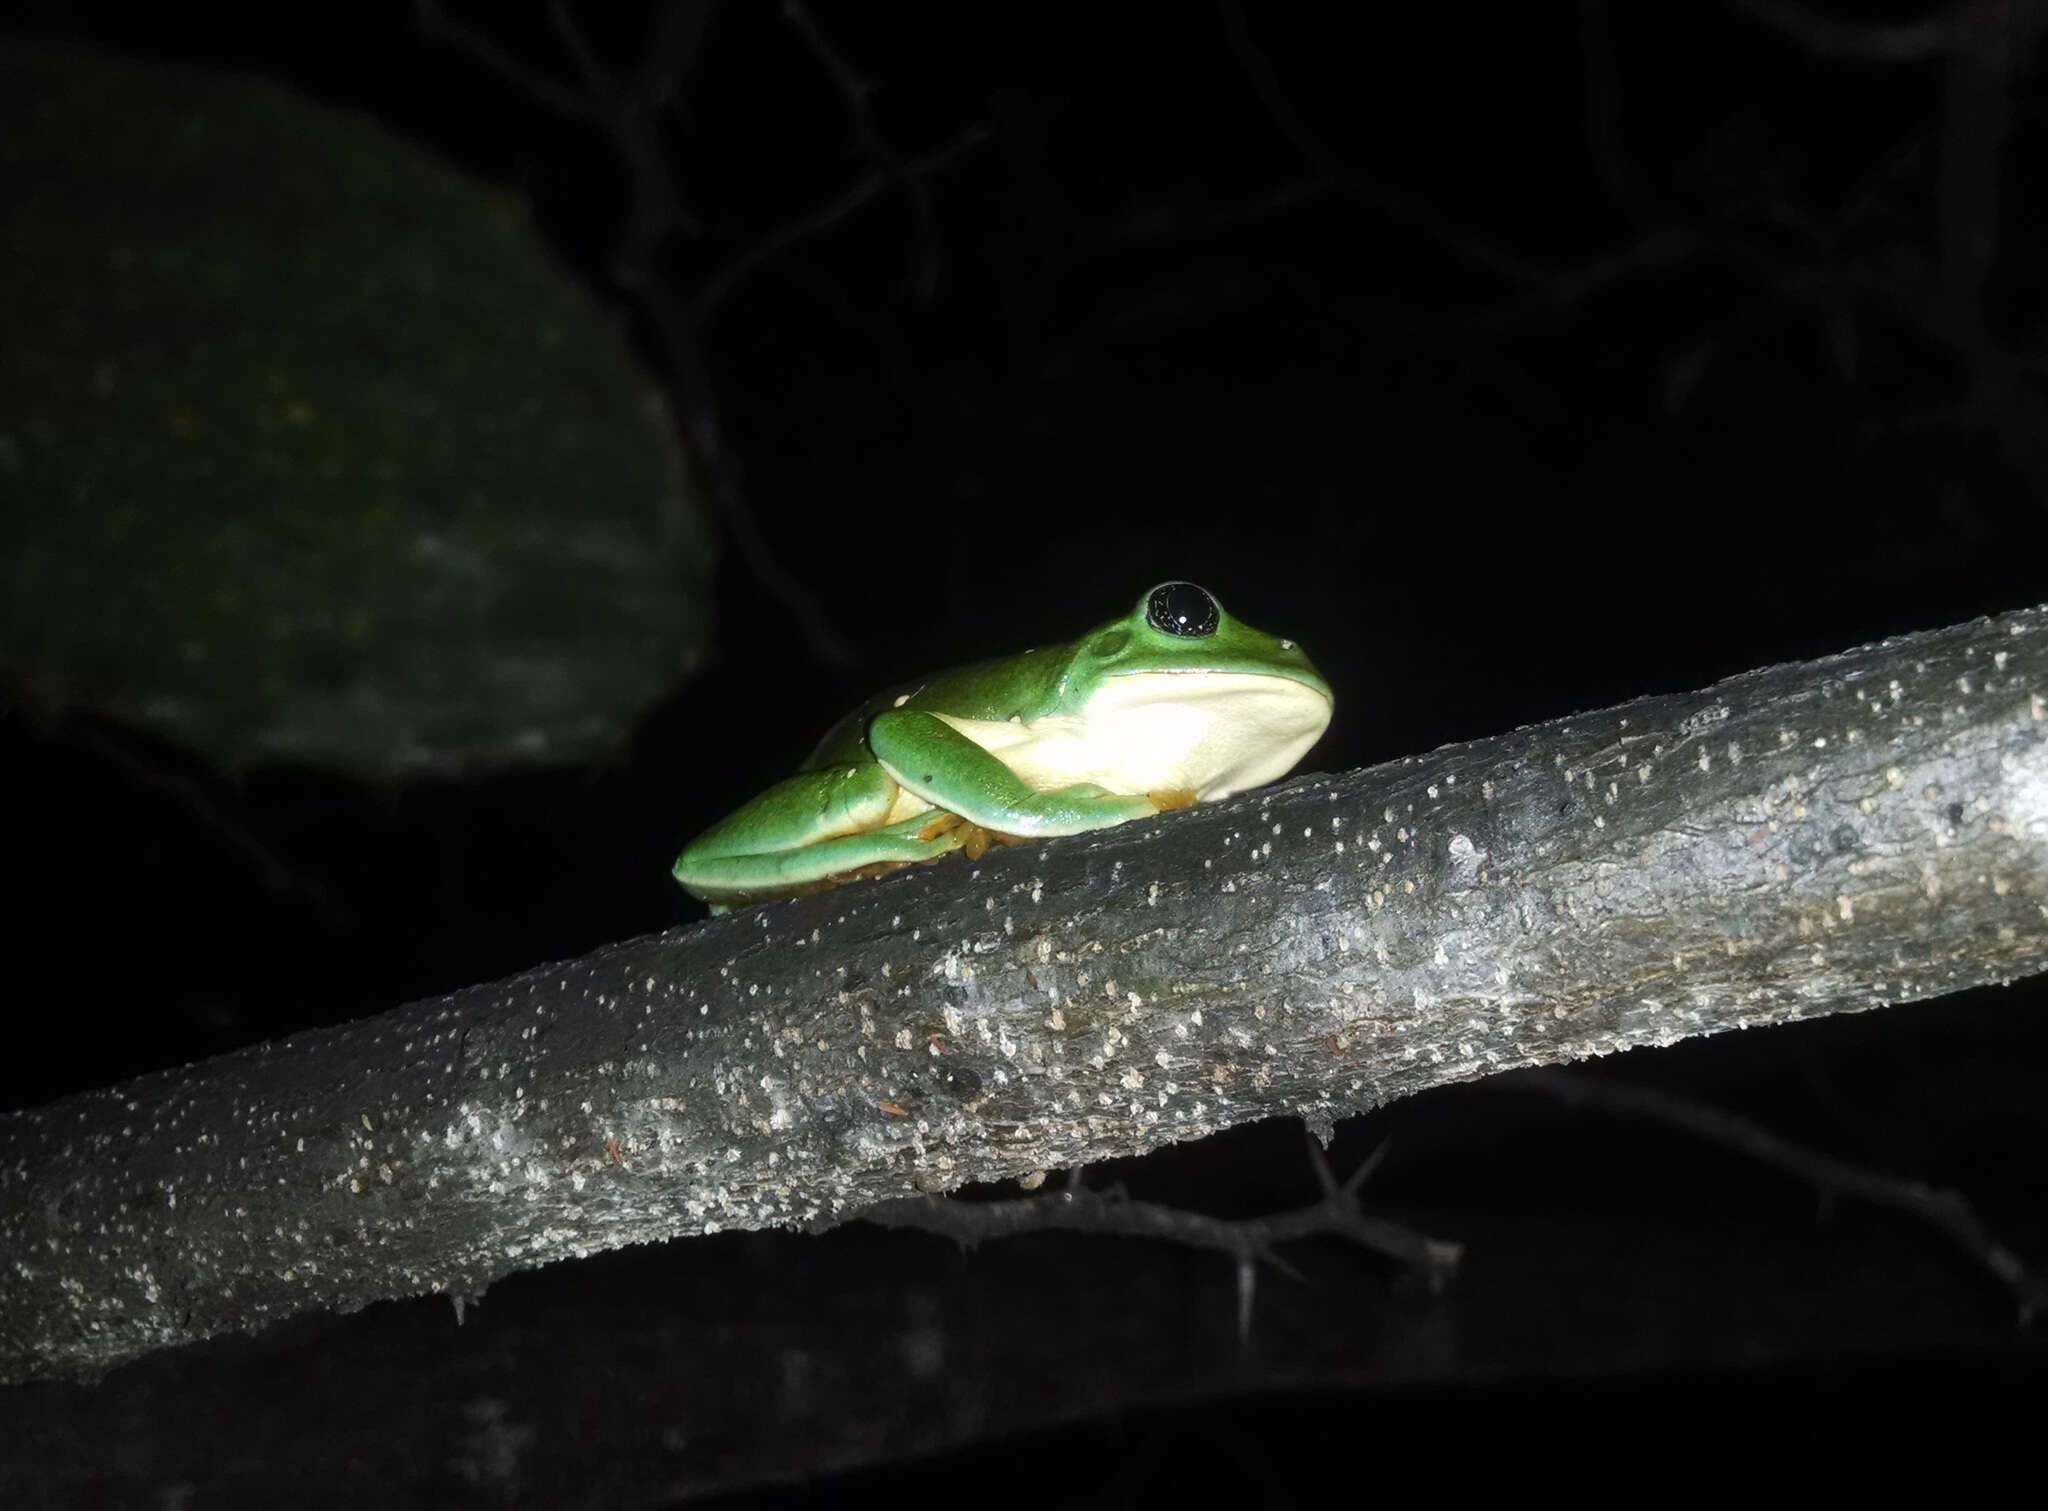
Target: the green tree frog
(1175, 703)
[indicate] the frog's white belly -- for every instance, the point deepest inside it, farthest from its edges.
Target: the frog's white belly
(1209, 733)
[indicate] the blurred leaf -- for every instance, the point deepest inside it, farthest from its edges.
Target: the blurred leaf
(308, 451)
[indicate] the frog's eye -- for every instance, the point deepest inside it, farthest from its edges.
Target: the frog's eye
(1181, 608)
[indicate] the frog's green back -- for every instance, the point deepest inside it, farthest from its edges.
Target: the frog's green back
(1024, 684)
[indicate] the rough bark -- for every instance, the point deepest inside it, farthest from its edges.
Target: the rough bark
(1800, 840)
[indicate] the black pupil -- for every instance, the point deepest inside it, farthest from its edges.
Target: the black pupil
(1181, 608)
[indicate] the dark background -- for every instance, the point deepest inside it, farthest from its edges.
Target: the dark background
(1515, 360)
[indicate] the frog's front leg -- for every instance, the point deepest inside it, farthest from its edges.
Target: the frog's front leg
(815, 829)
(934, 761)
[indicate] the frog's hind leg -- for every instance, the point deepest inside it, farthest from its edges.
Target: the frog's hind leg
(815, 830)
(829, 863)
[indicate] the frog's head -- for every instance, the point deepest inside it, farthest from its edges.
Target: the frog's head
(1191, 689)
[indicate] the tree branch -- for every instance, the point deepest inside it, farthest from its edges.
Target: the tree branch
(1800, 840)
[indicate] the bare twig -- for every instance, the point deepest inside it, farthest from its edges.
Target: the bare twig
(481, 48)
(1468, 247)
(1259, 69)
(906, 173)
(596, 82)
(766, 248)
(279, 873)
(629, 108)
(677, 36)
(1249, 1241)
(1330, 178)
(1604, 135)
(1946, 1211)
(1824, 36)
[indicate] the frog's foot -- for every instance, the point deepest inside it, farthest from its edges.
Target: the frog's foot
(1172, 798)
(928, 827)
(975, 840)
